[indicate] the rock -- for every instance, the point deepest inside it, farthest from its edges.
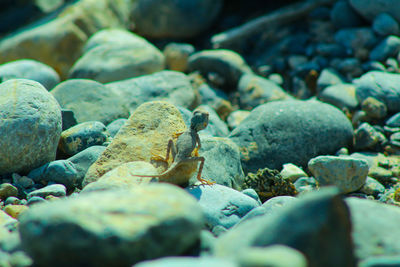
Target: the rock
(373, 65)
(372, 187)
(330, 50)
(321, 220)
(216, 127)
(255, 90)
(342, 95)
(388, 261)
(275, 255)
(356, 38)
(35, 200)
(351, 67)
(170, 86)
(124, 177)
(346, 173)
(174, 19)
(385, 25)
(221, 205)
(57, 190)
(30, 69)
(343, 15)
(328, 77)
(389, 47)
(90, 100)
(292, 172)
(214, 98)
(381, 85)
(367, 137)
(147, 131)
(206, 261)
(263, 136)
(15, 210)
(163, 221)
(59, 171)
(177, 54)
(394, 121)
(84, 159)
(68, 119)
(236, 117)
(12, 201)
(22, 181)
(369, 10)
(114, 126)
(227, 65)
(375, 231)
(117, 59)
(7, 190)
(373, 108)
(7, 222)
(30, 126)
(83, 136)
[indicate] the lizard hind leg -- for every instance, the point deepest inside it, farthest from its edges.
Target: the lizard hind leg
(201, 180)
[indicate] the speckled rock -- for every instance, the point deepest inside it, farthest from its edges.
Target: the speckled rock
(118, 59)
(177, 54)
(90, 100)
(290, 131)
(57, 190)
(348, 174)
(372, 8)
(163, 221)
(255, 90)
(30, 69)
(341, 95)
(221, 205)
(382, 86)
(174, 19)
(115, 125)
(30, 126)
(170, 86)
(226, 64)
(147, 131)
(83, 136)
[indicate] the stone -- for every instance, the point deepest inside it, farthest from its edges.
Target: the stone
(84, 159)
(385, 25)
(374, 108)
(176, 56)
(147, 131)
(321, 219)
(30, 69)
(342, 95)
(346, 173)
(292, 172)
(164, 221)
(15, 210)
(90, 100)
(343, 15)
(118, 60)
(290, 131)
(367, 137)
(372, 187)
(114, 126)
(170, 86)
(328, 77)
(30, 126)
(393, 121)
(356, 38)
(57, 190)
(222, 206)
(229, 66)
(59, 171)
(389, 47)
(236, 117)
(68, 119)
(255, 90)
(205, 261)
(12, 201)
(331, 50)
(7, 190)
(216, 127)
(35, 200)
(82, 136)
(174, 19)
(381, 85)
(370, 9)
(388, 261)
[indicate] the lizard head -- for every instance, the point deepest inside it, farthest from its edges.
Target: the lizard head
(199, 120)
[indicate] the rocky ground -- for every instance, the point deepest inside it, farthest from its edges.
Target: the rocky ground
(302, 145)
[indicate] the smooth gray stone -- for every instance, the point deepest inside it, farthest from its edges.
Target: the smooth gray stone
(188, 261)
(344, 16)
(328, 77)
(114, 126)
(384, 24)
(356, 38)
(341, 95)
(57, 190)
(389, 47)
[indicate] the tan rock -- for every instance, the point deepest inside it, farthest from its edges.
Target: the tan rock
(146, 132)
(15, 210)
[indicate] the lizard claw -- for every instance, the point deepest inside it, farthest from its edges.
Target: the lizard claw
(176, 135)
(205, 182)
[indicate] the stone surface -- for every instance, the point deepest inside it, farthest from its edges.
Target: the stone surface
(221, 205)
(290, 132)
(29, 69)
(7, 190)
(342, 95)
(174, 19)
(15, 210)
(163, 221)
(236, 117)
(384, 24)
(30, 126)
(343, 15)
(292, 172)
(356, 38)
(328, 77)
(226, 64)
(389, 47)
(170, 86)
(373, 8)
(83, 136)
(177, 54)
(188, 261)
(147, 131)
(373, 108)
(322, 220)
(381, 85)
(346, 173)
(372, 187)
(118, 59)
(90, 100)
(114, 126)
(216, 126)
(255, 90)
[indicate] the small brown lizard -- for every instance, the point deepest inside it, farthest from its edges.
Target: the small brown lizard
(183, 162)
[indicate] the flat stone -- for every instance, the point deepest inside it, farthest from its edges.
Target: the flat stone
(389, 47)
(206, 261)
(57, 190)
(7, 190)
(342, 95)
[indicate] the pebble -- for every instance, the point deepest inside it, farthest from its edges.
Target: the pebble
(389, 47)
(177, 54)
(393, 121)
(374, 108)
(82, 136)
(343, 15)
(163, 221)
(296, 121)
(356, 38)
(90, 101)
(57, 190)
(328, 77)
(387, 261)
(236, 117)
(114, 126)
(346, 173)
(12, 200)
(29, 137)
(370, 9)
(292, 172)
(35, 200)
(367, 137)
(30, 69)
(305, 184)
(385, 25)
(342, 95)
(7, 190)
(188, 261)
(372, 187)
(15, 210)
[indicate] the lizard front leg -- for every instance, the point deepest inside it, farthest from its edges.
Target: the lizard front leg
(170, 148)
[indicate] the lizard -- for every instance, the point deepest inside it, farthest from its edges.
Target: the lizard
(181, 151)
